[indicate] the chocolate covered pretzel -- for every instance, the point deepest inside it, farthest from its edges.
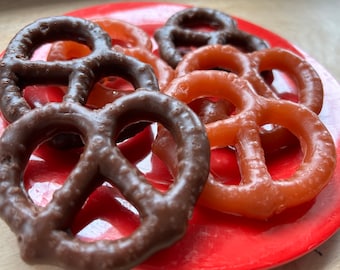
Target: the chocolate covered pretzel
(44, 233)
(223, 29)
(17, 70)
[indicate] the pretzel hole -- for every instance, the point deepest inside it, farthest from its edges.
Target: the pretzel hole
(275, 137)
(186, 46)
(107, 90)
(136, 143)
(224, 166)
(201, 25)
(283, 153)
(282, 84)
(212, 109)
(105, 215)
(283, 163)
(160, 166)
(46, 172)
(67, 50)
(39, 95)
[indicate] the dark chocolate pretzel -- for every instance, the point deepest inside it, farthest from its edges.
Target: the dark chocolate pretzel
(43, 233)
(18, 71)
(176, 32)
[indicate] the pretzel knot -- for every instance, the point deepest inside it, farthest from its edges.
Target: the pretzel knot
(250, 66)
(43, 233)
(222, 28)
(18, 71)
(258, 195)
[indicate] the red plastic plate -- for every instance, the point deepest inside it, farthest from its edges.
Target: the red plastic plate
(215, 240)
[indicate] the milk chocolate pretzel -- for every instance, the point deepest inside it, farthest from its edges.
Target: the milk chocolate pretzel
(18, 71)
(43, 233)
(177, 32)
(79, 75)
(250, 66)
(257, 195)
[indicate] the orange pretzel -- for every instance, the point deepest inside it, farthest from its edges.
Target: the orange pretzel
(257, 195)
(250, 67)
(126, 38)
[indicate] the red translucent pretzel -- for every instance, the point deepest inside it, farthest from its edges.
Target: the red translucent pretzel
(257, 195)
(179, 30)
(126, 38)
(250, 67)
(44, 233)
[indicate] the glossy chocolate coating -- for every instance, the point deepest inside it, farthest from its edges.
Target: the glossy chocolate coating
(43, 233)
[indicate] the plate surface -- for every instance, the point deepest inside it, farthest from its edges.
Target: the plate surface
(220, 241)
